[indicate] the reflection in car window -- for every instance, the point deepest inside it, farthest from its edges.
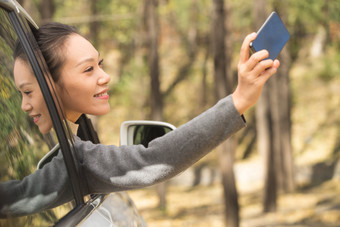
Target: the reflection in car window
(21, 143)
(14, 134)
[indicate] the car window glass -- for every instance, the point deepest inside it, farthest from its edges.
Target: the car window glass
(21, 143)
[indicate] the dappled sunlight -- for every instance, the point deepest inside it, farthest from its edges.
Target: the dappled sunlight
(203, 206)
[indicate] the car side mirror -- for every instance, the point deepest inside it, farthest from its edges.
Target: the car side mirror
(142, 132)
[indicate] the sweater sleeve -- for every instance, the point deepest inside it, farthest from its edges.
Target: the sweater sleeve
(112, 168)
(44, 189)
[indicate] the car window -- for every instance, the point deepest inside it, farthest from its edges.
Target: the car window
(21, 143)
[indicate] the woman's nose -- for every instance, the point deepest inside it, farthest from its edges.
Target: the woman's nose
(104, 78)
(25, 106)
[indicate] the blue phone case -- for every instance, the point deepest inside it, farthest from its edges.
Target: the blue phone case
(272, 36)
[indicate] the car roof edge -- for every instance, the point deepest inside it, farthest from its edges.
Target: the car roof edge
(12, 5)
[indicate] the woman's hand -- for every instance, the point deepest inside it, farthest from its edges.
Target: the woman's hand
(253, 72)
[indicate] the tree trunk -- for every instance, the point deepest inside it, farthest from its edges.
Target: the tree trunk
(218, 45)
(152, 27)
(264, 125)
(226, 161)
(285, 120)
(46, 9)
(94, 25)
(204, 85)
(222, 88)
(274, 124)
(151, 24)
(287, 182)
(272, 156)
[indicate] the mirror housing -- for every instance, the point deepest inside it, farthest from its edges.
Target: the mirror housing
(142, 132)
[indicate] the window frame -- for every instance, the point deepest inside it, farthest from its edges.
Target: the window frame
(23, 25)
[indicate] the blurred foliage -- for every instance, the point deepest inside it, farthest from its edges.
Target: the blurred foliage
(305, 17)
(121, 43)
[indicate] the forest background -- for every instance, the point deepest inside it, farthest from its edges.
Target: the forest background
(170, 60)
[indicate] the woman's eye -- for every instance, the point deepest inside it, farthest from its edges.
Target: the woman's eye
(101, 62)
(27, 92)
(89, 69)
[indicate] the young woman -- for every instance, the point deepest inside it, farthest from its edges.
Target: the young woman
(82, 85)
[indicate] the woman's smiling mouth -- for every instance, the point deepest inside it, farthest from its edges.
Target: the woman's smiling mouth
(103, 95)
(36, 118)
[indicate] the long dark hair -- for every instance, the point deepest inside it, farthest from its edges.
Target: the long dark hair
(51, 38)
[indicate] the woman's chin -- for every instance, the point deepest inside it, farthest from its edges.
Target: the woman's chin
(45, 129)
(101, 111)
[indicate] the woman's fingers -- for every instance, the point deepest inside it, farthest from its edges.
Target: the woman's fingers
(266, 65)
(249, 63)
(257, 59)
(266, 72)
(261, 66)
(276, 63)
(244, 52)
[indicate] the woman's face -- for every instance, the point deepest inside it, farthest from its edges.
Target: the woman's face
(32, 99)
(83, 84)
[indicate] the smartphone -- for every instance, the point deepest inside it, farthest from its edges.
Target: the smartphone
(272, 36)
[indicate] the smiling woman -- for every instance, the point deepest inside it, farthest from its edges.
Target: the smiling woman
(32, 99)
(82, 85)
(76, 69)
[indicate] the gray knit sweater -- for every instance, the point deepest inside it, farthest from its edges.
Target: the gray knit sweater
(111, 168)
